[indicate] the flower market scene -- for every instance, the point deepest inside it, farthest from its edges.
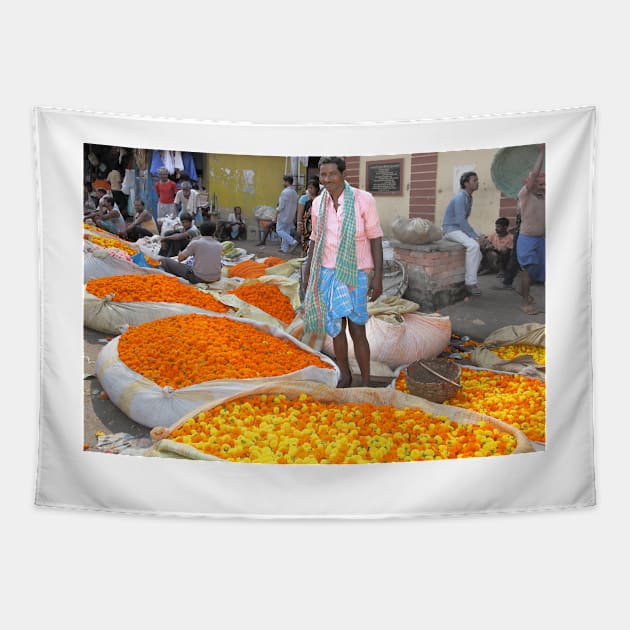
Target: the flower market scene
(314, 309)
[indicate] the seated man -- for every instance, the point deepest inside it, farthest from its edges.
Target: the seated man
(143, 223)
(207, 254)
(109, 218)
(497, 248)
(267, 227)
(235, 224)
(174, 241)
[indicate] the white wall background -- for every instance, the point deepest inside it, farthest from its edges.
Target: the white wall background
(278, 62)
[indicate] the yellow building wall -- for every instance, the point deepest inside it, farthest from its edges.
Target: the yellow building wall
(389, 207)
(244, 180)
(486, 201)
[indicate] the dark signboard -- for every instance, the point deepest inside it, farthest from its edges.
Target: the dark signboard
(384, 177)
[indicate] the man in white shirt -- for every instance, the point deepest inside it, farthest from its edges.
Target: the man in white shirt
(186, 201)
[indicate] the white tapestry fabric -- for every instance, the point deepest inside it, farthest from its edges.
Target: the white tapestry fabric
(558, 475)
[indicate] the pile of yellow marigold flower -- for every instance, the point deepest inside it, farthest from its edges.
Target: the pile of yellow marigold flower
(153, 288)
(509, 352)
(184, 350)
(517, 400)
(273, 429)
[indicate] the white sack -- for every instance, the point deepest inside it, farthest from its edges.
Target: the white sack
(150, 405)
(402, 339)
(416, 231)
(110, 317)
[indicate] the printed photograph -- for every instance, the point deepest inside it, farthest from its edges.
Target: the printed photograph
(319, 310)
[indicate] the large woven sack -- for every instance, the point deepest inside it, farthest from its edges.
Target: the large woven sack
(110, 317)
(416, 231)
(399, 339)
(151, 405)
(288, 286)
(531, 334)
(98, 263)
(321, 392)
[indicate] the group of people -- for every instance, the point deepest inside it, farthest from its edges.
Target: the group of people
(339, 230)
(505, 252)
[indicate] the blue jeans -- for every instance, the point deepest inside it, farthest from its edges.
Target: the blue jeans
(283, 230)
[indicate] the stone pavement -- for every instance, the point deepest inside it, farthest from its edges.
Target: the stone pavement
(479, 315)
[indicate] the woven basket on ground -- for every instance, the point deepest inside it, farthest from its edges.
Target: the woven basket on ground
(436, 380)
(510, 166)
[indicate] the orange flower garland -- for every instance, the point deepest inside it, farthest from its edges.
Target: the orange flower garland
(153, 288)
(268, 298)
(273, 429)
(515, 399)
(184, 350)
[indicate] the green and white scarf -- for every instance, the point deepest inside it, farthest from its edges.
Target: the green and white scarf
(346, 270)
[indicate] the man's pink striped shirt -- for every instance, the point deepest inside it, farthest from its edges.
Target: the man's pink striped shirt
(368, 227)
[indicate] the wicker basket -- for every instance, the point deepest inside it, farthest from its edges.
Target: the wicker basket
(510, 166)
(436, 380)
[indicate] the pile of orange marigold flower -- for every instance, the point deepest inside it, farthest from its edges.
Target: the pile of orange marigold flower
(268, 298)
(273, 429)
(153, 288)
(509, 352)
(184, 350)
(515, 399)
(105, 241)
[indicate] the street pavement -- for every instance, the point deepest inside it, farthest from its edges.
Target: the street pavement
(475, 317)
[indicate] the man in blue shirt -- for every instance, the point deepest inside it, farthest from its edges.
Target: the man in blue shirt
(455, 227)
(285, 218)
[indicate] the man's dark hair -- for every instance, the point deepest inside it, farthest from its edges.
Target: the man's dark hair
(207, 228)
(504, 221)
(288, 178)
(465, 177)
(186, 216)
(328, 159)
(139, 201)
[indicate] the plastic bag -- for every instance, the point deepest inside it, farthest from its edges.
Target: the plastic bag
(416, 231)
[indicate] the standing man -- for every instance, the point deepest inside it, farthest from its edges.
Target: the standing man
(456, 228)
(346, 250)
(530, 246)
(166, 190)
(285, 217)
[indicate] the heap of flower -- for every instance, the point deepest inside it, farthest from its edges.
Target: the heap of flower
(105, 241)
(268, 298)
(273, 429)
(94, 228)
(509, 352)
(515, 399)
(184, 350)
(153, 288)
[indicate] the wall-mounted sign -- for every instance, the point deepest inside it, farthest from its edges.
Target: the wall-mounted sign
(384, 177)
